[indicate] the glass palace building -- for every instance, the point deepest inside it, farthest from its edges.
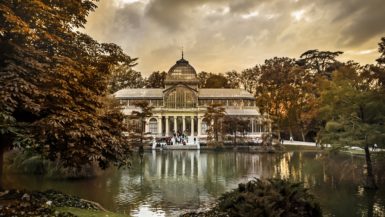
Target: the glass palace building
(181, 105)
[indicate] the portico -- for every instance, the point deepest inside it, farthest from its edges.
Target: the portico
(179, 107)
(166, 125)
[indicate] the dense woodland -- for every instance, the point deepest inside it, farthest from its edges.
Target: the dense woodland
(56, 82)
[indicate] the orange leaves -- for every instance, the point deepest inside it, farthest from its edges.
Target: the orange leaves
(10, 22)
(53, 82)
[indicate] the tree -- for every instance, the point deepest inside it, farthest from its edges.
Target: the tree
(202, 77)
(233, 79)
(234, 124)
(274, 92)
(156, 80)
(321, 62)
(287, 92)
(353, 108)
(211, 80)
(138, 135)
(216, 81)
(248, 78)
(214, 118)
(123, 76)
(381, 49)
(302, 105)
(53, 84)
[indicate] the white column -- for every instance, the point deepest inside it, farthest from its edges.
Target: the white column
(252, 125)
(167, 126)
(160, 126)
(192, 125)
(146, 126)
(175, 124)
(269, 126)
(199, 125)
(183, 123)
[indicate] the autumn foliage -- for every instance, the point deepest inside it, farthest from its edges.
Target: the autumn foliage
(53, 84)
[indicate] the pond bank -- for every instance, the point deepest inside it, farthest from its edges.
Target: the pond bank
(249, 148)
(171, 183)
(48, 203)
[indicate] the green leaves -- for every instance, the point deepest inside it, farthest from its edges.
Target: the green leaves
(352, 108)
(137, 135)
(214, 117)
(271, 197)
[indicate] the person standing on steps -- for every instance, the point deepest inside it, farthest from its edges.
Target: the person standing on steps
(374, 147)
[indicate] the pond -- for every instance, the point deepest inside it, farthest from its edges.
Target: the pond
(168, 183)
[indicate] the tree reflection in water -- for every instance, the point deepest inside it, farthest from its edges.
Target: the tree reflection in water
(168, 183)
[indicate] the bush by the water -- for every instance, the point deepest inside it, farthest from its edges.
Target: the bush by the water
(265, 198)
(28, 162)
(35, 203)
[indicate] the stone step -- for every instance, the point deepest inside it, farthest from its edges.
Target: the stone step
(181, 147)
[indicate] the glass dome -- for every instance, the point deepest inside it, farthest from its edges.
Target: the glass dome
(181, 72)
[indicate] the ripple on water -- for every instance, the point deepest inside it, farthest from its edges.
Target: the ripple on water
(171, 183)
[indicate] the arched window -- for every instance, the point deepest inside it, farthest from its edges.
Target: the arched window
(204, 126)
(153, 126)
(181, 98)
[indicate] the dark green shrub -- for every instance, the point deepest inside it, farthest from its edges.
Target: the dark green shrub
(271, 197)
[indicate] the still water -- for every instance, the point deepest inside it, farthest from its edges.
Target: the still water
(168, 183)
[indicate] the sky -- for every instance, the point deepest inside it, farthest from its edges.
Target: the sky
(222, 35)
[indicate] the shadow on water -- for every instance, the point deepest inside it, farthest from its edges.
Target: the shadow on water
(167, 183)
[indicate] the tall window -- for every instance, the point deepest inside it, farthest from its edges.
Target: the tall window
(204, 126)
(181, 98)
(153, 126)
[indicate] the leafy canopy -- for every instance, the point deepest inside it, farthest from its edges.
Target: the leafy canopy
(54, 84)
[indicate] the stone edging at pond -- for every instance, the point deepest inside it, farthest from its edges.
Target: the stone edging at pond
(256, 149)
(35, 203)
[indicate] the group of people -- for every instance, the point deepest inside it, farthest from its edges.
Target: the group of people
(177, 138)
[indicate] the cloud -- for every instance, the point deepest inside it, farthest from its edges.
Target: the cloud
(221, 35)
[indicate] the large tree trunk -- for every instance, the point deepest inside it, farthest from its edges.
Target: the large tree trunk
(370, 182)
(370, 197)
(5, 143)
(291, 133)
(303, 136)
(2, 148)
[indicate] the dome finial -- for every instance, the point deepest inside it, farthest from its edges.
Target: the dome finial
(182, 52)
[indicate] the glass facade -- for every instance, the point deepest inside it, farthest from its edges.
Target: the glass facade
(181, 98)
(176, 107)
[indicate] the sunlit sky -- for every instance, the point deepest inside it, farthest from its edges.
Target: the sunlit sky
(223, 35)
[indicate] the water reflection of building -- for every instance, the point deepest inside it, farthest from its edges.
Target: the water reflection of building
(188, 179)
(180, 106)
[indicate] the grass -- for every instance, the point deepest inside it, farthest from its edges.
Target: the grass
(89, 213)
